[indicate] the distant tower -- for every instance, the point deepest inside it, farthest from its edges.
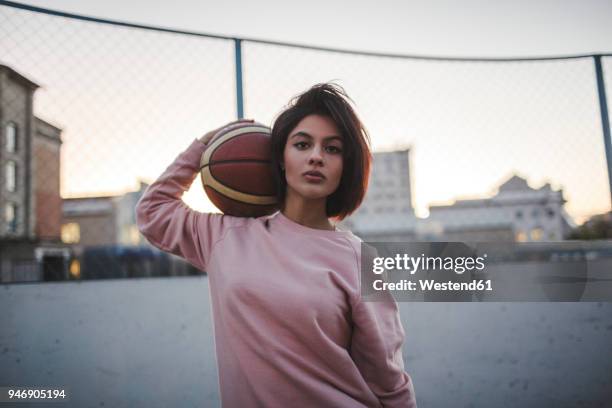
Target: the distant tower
(387, 211)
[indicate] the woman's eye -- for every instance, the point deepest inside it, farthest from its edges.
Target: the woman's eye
(329, 149)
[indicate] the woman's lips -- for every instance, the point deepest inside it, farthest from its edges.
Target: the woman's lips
(313, 178)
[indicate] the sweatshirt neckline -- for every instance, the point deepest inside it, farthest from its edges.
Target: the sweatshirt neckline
(294, 226)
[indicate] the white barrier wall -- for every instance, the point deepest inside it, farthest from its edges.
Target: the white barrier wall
(148, 343)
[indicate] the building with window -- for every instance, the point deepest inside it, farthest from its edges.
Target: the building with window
(102, 220)
(106, 225)
(30, 202)
(517, 212)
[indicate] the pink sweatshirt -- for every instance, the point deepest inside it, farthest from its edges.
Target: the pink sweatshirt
(291, 329)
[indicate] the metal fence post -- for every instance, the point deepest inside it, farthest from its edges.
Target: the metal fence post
(239, 100)
(605, 120)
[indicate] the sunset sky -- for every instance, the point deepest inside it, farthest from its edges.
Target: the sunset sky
(129, 100)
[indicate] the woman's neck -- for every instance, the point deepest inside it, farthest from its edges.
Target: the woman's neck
(309, 214)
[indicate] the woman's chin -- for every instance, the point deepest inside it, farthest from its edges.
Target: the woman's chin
(313, 193)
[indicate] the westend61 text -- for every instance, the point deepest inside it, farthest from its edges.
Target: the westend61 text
(429, 285)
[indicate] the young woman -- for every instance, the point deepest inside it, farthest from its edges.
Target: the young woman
(291, 328)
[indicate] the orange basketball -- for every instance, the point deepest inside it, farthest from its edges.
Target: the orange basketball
(236, 171)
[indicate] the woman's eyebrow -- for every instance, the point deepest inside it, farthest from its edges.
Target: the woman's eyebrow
(305, 134)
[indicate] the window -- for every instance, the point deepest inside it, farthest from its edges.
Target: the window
(10, 216)
(535, 213)
(71, 233)
(519, 214)
(134, 234)
(550, 212)
(75, 269)
(11, 175)
(521, 236)
(11, 137)
(537, 234)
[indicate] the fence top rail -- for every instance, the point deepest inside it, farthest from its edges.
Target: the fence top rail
(294, 45)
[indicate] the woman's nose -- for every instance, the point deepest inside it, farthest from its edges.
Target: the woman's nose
(315, 156)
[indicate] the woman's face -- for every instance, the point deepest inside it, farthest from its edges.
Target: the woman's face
(314, 145)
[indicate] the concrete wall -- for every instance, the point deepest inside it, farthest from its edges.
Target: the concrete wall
(148, 343)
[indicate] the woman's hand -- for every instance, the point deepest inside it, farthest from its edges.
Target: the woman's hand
(208, 136)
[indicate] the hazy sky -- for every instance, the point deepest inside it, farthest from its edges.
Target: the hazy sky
(469, 126)
(431, 27)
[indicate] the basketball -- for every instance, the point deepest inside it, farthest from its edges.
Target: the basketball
(236, 171)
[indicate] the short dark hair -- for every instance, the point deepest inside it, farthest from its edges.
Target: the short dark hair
(330, 100)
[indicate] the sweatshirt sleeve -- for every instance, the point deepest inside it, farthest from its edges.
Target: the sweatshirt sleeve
(376, 348)
(169, 224)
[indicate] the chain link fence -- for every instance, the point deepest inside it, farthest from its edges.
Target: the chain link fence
(92, 111)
